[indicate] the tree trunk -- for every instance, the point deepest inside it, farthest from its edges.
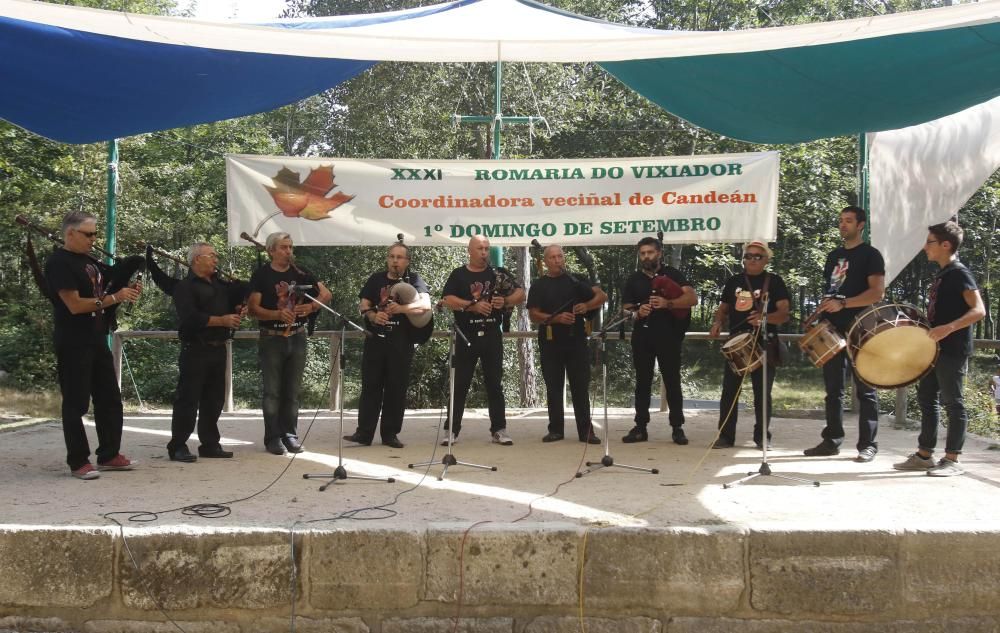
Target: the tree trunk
(528, 385)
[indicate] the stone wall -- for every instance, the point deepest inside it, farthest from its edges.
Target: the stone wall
(522, 578)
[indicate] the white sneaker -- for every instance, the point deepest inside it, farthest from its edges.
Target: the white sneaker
(945, 468)
(915, 462)
(454, 440)
(501, 437)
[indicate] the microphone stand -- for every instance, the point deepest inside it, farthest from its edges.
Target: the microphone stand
(765, 468)
(340, 472)
(608, 461)
(448, 459)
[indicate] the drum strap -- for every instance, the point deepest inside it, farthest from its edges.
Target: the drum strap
(763, 290)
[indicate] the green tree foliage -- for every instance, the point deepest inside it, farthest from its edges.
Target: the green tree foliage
(173, 186)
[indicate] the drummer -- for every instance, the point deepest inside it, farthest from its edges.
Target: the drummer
(743, 297)
(854, 277)
(388, 352)
(954, 306)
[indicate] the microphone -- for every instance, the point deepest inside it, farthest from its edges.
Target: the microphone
(300, 288)
(535, 243)
(399, 237)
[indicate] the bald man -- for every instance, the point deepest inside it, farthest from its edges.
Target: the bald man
(470, 293)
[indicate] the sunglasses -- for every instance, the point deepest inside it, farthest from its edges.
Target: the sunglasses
(754, 256)
(87, 234)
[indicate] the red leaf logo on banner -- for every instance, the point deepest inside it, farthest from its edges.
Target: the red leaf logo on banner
(309, 199)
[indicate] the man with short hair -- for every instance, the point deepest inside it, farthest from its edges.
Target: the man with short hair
(388, 351)
(743, 297)
(471, 293)
(559, 302)
(78, 290)
(209, 310)
(954, 305)
(658, 334)
(282, 313)
(855, 279)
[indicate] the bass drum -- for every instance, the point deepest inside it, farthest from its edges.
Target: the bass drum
(890, 346)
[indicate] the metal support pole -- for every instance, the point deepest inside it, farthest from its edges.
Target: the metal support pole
(230, 407)
(111, 209)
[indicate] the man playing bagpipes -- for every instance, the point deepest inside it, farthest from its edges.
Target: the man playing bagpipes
(659, 298)
(277, 301)
(84, 293)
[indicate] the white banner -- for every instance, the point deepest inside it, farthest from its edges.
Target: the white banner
(346, 202)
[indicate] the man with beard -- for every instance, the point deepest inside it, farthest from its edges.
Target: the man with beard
(743, 296)
(281, 349)
(558, 303)
(855, 279)
(660, 326)
(471, 293)
(388, 352)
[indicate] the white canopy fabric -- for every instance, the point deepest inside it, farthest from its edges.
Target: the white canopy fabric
(923, 175)
(81, 75)
(483, 31)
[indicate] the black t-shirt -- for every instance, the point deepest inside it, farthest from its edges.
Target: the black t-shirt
(376, 290)
(846, 273)
(946, 304)
(274, 295)
(470, 286)
(197, 299)
(551, 294)
(65, 270)
(743, 300)
(637, 290)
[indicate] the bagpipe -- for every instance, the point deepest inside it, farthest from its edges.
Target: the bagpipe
(664, 286)
(421, 326)
(117, 275)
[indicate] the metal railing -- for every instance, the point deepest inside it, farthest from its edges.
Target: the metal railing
(334, 336)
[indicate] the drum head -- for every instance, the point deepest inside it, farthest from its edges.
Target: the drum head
(896, 357)
(736, 342)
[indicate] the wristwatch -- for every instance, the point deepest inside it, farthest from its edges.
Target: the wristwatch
(97, 302)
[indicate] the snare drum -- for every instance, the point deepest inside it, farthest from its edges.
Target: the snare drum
(743, 353)
(890, 346)
(822, 342)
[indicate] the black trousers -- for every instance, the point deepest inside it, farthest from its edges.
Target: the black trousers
(730, 385)
(489, 350)
(834, 376)
(385, 377)
(561, 359)
(664, 349)
(201, 394)
(85, 372)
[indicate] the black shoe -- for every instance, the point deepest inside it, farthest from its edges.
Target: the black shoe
(275, 447)
(182, 454)
(679, 437)
(392, 442)
(722, 443)
(214, 451)
(637, 434)
(823, 449)
(292, 444)
(553, 437)
(358, 439)
(591, 439)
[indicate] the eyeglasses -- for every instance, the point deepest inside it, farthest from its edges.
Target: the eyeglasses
(87, 234)
(754, 256)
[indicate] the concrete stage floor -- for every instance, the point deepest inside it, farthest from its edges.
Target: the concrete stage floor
(688, 490)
